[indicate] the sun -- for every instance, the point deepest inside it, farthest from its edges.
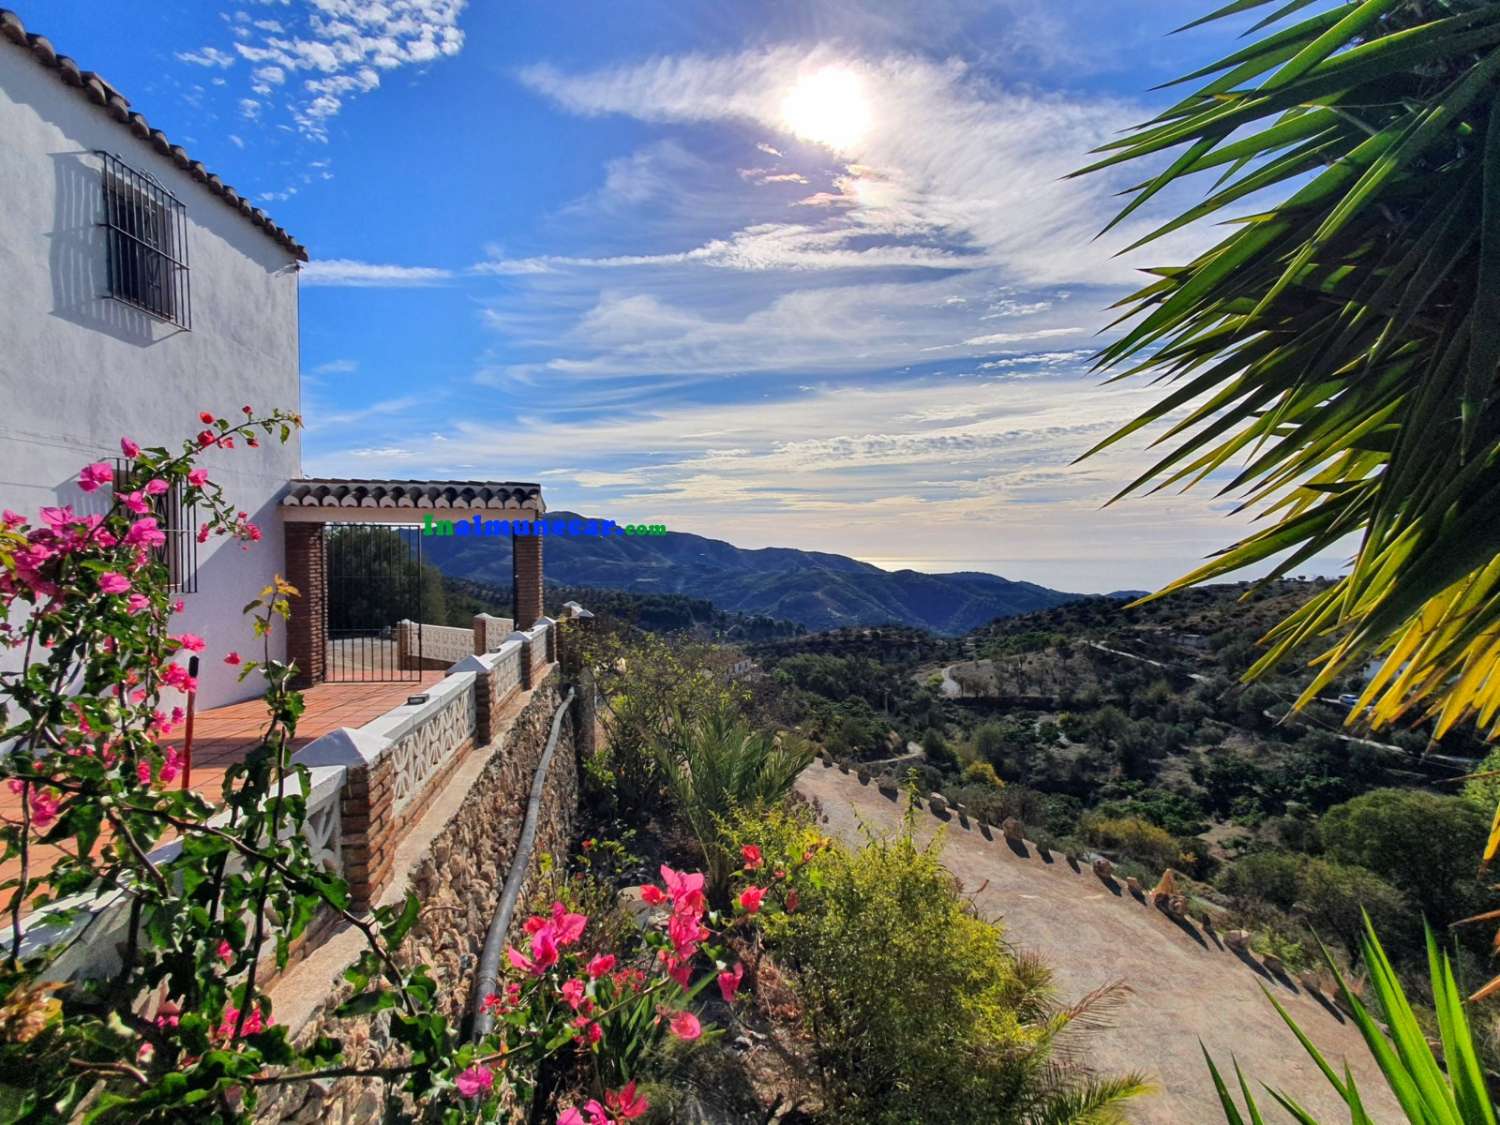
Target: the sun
(828, 107)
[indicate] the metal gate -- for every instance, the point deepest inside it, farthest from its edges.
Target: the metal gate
(374, 604)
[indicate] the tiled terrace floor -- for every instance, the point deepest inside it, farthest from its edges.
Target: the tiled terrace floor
(223, 735)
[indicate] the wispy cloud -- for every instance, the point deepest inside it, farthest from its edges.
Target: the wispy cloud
(347, 272)
(208, 56)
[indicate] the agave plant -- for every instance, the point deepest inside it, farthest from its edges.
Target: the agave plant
(716, 764)
(1336, 354)
(1430, 1091)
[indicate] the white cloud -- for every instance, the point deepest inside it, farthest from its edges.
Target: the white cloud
(343, 44)
(208, 56)
(346, 272)
(337, 367)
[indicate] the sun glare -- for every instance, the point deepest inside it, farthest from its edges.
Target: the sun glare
(828, 107)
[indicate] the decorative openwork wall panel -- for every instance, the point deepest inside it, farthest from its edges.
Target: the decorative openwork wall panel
(419, 753)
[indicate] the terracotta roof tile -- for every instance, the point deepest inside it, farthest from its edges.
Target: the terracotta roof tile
(101, 93)
(334, 492)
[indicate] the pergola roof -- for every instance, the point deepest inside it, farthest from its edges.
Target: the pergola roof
(416, 495)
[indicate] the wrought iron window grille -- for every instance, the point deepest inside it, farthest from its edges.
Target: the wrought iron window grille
(146, 231)
(178, 520)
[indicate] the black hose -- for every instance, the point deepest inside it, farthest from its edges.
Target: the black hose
(487, 978)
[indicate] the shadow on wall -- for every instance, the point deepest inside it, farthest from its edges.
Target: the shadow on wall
(80, 256)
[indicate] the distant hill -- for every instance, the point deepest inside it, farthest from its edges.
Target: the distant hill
(811, 588)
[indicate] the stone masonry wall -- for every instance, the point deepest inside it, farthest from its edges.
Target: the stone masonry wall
(459, 883)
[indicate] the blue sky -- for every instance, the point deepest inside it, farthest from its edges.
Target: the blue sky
(785, 273)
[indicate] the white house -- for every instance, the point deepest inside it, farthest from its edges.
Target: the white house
(137, 289)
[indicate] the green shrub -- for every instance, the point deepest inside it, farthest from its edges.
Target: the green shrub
(918, 1011)
(938, 752)
(1134, 838)
(1423, 843)
(1269, 876)
(982, 774)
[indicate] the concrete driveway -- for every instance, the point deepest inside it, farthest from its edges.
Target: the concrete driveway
(1186, 985)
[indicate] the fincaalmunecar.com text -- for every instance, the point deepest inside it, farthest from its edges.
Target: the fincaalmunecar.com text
(482, 527)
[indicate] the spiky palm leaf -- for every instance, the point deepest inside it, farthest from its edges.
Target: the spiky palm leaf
(1430, 1091)
(1339, 349)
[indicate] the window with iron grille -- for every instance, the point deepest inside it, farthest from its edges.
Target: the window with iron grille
(146, 227)
(179, 522)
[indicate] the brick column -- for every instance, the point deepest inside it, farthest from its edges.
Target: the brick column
(368, 843)
(307, 629)
(526, 579)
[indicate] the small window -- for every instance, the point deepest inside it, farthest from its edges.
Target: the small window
(179, 521)
(147, 233)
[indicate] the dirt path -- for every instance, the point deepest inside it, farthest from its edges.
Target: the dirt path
(1187, 986)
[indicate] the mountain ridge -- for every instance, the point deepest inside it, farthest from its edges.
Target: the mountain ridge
(818, 589)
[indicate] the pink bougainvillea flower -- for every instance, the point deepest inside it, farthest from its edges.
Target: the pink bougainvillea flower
(156, 486)
(568, 927)
(543, 952)
(254, 1025)
(679, 969)
(113, 582)
(232, 658)
(597, 1115)
(252, 443)
(198, 478)
(92, 476)
(729, 982)
(136, 503)
(626, 1106)
(138, 603)
(203, 534)
(681, 885)
(749, 899)
(143, 772)
(206, 418)
(652, 895)
(592, 1032)
(792, 899)
(684, 1025)
(129, 448)
(247, 409)
(493, 1004)
(752, 856)
(600, 965)
(176, 676)
(572, 992)
(12, 519)
(190, 641)
(475, 1082)
(225, 952)
(145, 533)
(206, 438)
(44, 805)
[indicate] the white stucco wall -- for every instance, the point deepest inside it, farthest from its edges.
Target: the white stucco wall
(78, 370)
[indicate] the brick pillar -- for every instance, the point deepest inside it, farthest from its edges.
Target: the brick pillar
(307, 629)
(528, 681)
(368, 843)
(485, 708)
(526, 579)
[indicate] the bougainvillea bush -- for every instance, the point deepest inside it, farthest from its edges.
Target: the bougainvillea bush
(184, 1026)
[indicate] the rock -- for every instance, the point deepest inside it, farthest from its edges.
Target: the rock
(1273, 963)
(1103, 868)
(1238, 940)
(937, 803)
(1134, 885)
(1013, 828)
(1309, 980)
(1177, 906)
